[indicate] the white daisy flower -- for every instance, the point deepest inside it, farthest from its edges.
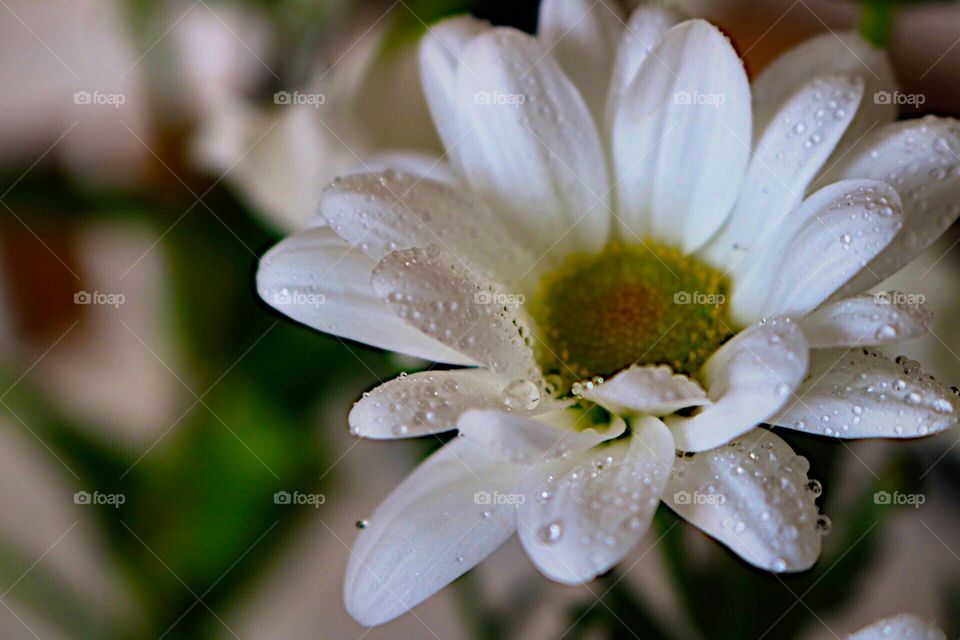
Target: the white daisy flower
(636, 252)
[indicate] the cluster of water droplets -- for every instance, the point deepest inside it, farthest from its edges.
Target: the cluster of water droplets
(441, 296)
(389, 211)
(755, 496)
(825, 116)
(600, 506)
(921, 163)
(866, 394)
(431, 401)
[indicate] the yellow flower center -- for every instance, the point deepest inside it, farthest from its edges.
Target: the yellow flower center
(629, 304)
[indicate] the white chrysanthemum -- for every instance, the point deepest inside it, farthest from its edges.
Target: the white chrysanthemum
(634, 212)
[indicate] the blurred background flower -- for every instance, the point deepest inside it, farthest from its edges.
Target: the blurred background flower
(155, 414)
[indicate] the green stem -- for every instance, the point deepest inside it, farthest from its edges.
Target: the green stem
(876, 22)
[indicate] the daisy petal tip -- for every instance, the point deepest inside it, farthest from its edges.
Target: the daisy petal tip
(754, 496)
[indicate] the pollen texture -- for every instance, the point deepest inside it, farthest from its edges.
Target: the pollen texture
(630, 304)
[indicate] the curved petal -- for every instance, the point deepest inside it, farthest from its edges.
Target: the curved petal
(384, 212)
(789, 153)
(752, 496)
(869, 319)
(441, 50)
(818, 248)
(681, 138)
(414, 163)
(435, 292)
(904, 625)
(427, 402)
(860, 394)
(645, 28)
(582, 36)
(748, 379)
(448, 515)
(651, 390)
(579, 519)
(530, 146)
(845, 53)
(517, 439)
(318, 279)
(921, 160)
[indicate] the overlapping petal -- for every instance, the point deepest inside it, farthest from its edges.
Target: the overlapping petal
(859, 394)
(921, 160)
(748, 379)
(651, 390)
(530, 148)
(830, 237)
(318, 279)
(870, 319)
(440, 295)
(790, 151)
(681, 138)
(581, 517)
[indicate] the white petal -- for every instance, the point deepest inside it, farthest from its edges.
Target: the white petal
(752, 496)
(918, 158)
(790, 152)
(441, 49)
(437, 293)
(681, 138)
(869, 319)
(748, 379)
(904, 626)
(651, 390)
(582, 36)
(816, 249)
(531, 147)
(384, 212)
(517, 439)
(440, 522)
(414, 163)
(426, 402)
(318, 279)
(845, 53)
(859, 394)
(578, 520)
(646, 27)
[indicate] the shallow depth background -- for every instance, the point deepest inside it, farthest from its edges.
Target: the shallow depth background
(152, 407)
